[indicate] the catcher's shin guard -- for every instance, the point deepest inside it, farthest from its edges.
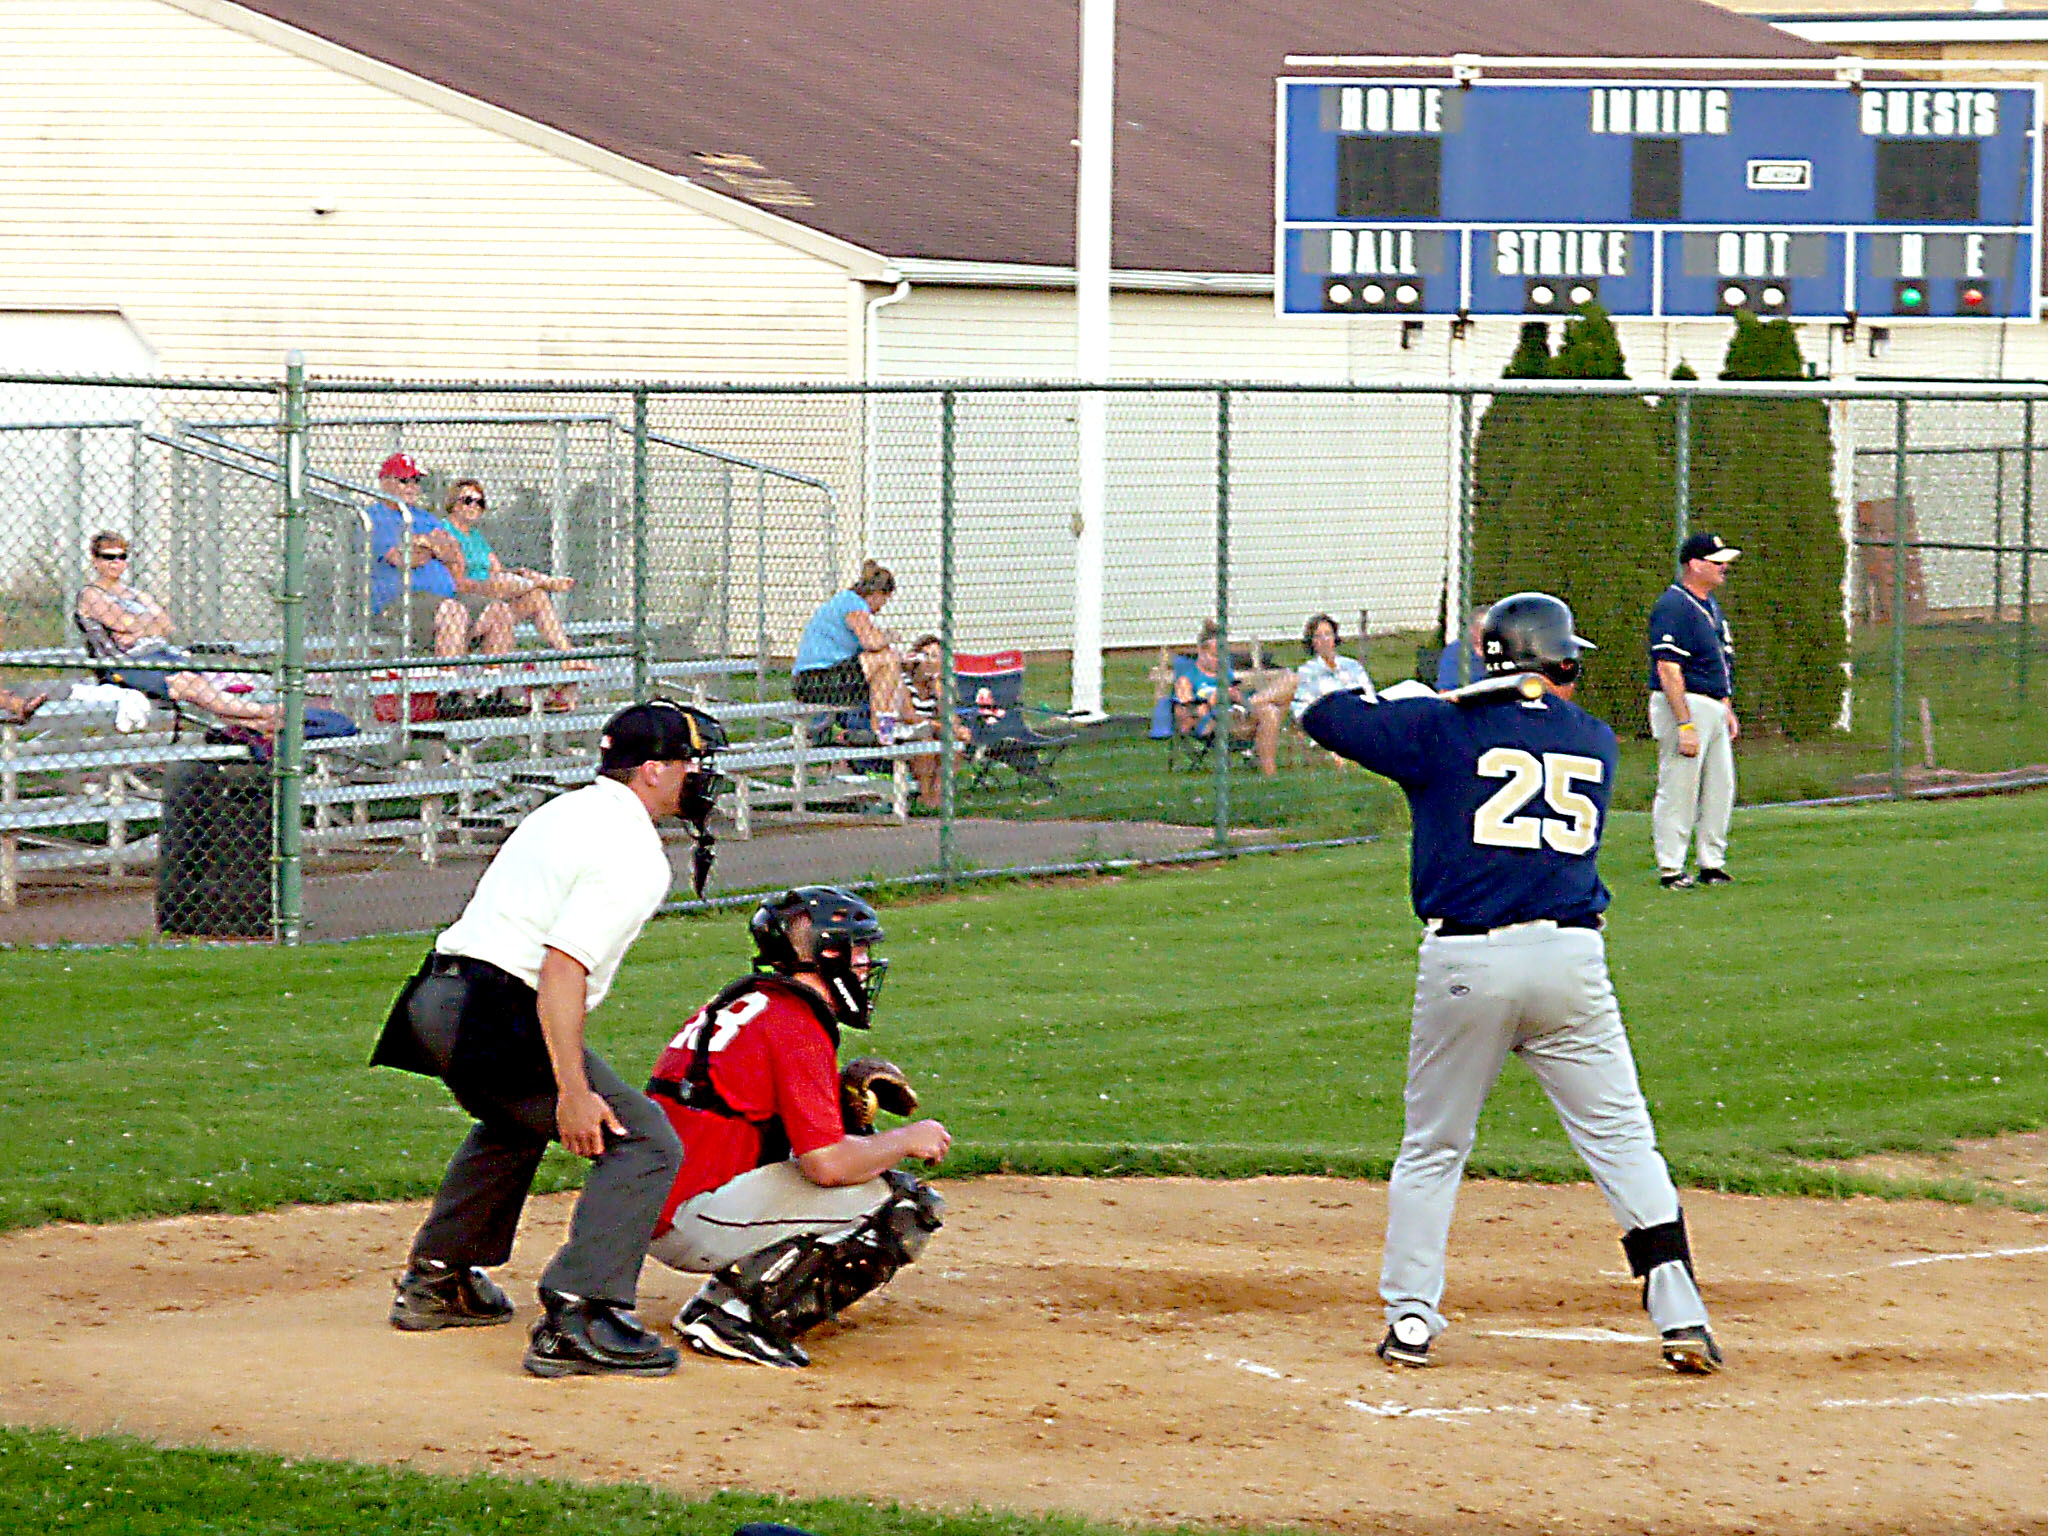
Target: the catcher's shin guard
(800, 1282)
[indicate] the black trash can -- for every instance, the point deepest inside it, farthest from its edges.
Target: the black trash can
(213, 875)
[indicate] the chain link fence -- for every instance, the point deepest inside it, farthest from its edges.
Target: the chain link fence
(317, 693)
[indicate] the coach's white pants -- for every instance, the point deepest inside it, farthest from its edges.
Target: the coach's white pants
(746, 1214)
(1695, 795)
(1543, 993)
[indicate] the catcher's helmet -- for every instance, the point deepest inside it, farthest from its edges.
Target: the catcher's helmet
(1532, 632)
(838, 920)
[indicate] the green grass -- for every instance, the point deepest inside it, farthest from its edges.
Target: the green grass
(1873, 982)
(55, 1482)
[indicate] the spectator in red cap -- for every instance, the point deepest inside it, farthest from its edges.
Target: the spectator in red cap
(432, 615)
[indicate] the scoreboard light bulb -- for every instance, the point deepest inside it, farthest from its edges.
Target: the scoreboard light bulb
(1734, 297)
(1911, 297)
(1543, 294)
(1772, 297)
(1339, 294)
(1406, 294)
(1974, 297)
(1373, 293)
(1582, 294)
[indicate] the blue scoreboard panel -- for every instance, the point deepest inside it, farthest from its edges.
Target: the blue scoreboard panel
(1658, 200)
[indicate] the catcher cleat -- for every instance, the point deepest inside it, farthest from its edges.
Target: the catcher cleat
(1715, 876)
(1406, 1343)
(432, 1295)
(1678, 882)
(727, 1331)
(1691, 1351)
(578, 1336)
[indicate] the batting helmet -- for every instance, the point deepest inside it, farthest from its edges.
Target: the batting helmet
(1532, 632)
(838, 920)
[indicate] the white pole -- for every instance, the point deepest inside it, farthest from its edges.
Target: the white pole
(1091, 296)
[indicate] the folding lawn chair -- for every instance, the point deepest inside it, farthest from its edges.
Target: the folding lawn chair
(990, 691)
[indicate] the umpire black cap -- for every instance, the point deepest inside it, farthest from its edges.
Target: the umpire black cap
(659, 731)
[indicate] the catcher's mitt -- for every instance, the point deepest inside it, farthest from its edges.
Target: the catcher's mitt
(867, 1084)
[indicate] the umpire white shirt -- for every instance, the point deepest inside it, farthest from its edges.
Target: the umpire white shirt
(582, 874)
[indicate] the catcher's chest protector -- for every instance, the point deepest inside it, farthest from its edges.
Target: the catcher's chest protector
(692, 1087)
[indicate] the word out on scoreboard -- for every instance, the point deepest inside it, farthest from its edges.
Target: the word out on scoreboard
(1813, 200)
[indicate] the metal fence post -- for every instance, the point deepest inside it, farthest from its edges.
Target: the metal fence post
(2026, 557)
(1219, 716)
(948, 702)
(1899, 603)
(1681, 473)
(1998, 535)
(288, 764)
(1467, 483)
(725, 560)
(640, 542)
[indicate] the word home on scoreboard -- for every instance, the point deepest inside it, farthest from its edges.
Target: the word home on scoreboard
(1668, 199)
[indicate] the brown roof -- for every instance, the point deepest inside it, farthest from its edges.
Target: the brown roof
(946, 131)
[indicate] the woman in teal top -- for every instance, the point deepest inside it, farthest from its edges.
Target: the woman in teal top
(524, 591)
(844, 658)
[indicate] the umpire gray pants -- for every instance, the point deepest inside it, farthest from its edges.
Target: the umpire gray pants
(1695, 795)
(476, 1212)
(1542, 992)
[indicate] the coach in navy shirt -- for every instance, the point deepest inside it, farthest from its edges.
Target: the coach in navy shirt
(1692, 715)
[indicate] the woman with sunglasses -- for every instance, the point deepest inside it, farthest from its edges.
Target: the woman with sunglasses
(127, 627)
(523, 590)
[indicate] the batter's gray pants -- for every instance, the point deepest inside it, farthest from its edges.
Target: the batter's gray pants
(1542, 992)
(476, 1212)
(1695, 795)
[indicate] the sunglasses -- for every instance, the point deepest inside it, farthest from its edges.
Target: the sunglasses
(406, 479)
(469, 501)
(110, 554)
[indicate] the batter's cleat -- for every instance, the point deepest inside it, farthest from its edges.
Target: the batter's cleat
(1716, 876)
(578, 1336)
(1691, 1351)
(1406, 1343)
(726, 1330)
(1678, 882)
(432, 1295)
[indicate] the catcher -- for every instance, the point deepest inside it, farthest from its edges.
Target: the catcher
(789, 1197)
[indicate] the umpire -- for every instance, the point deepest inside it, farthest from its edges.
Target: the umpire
(497, 1013)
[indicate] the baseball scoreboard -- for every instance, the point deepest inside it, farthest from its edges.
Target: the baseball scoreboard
(1807, 200)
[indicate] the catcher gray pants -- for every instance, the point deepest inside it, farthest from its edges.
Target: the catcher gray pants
(746, 1214)
(1695, 795)
(1542, 992)
(476, 1212)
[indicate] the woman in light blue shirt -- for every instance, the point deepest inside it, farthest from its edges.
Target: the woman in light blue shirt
(845, 659)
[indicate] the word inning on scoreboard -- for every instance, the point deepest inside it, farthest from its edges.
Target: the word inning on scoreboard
(1671, 199)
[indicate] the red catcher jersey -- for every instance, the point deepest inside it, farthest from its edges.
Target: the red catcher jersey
(769, 1057)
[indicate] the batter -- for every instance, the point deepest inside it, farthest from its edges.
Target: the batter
(1508, 784)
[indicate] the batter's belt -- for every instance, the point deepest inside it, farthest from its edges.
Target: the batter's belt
(1445, 928)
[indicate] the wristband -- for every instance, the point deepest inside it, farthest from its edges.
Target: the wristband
(1687, 725)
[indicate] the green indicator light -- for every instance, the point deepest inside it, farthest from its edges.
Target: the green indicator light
(1909, 297)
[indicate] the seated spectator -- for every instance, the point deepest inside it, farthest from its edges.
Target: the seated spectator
(1466, 650)
(15, 708)
(434, 618)
(481, 574)
(924, 689)
(1325, 671)
(844, 659)
(130, 629)
(1254, 718)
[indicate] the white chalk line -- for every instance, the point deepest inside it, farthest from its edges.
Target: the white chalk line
(1569, 1335)
(1463, 1413)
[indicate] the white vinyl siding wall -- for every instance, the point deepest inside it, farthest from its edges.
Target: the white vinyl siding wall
(169, 168)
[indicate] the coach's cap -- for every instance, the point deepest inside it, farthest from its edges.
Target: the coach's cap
(658, 731)
(400, 466)
(1707, 546)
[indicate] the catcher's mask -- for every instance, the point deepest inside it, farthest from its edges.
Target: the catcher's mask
(838, 920)
(1532, 632)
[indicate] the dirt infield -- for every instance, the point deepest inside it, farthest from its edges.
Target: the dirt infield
(1143, 1350)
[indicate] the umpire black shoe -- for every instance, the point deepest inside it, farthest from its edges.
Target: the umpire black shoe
(726, 1330)
(1406, 1343)
(579, 1336)
(1691, 1351)
(1715, 876)
(1678, 882)
(432, 1294)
